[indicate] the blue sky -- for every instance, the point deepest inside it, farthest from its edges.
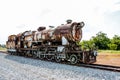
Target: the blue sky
(20, 15)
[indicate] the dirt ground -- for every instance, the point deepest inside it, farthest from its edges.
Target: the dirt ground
(108, 59)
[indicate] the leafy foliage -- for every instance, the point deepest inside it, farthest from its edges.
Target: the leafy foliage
(87, 44)
(3, 45)
(112, 46)
(115, 43)
(101, 41)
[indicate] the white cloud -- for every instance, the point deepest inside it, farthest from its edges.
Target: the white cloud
(18, 16)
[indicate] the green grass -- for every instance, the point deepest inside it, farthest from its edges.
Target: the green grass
(2, 49)
(110, 51)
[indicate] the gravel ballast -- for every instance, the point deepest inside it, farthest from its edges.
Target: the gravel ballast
(21, 68)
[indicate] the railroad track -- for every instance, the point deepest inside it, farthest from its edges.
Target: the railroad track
(98, 66)
(102, 67)
(95, 66)
(3, 52)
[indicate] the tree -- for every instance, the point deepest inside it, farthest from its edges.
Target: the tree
(115, 43)
(101, 40)
(87, 44)
(2, 45)
(112, 46)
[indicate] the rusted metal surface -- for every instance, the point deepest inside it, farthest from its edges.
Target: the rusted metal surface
(44, 35)
(27, 37)
(47, 34)
(18, 40)
(12, 38)
(72, 32)
(10, 44)
(38, 34)
(26, 33)
(28, 41)
(59, 41)
(41, 28)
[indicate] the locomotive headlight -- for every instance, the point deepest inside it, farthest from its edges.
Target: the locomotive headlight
(95, 53)
(81, 24)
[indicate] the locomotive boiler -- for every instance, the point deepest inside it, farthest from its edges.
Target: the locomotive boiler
(72, 32)
(57, 44)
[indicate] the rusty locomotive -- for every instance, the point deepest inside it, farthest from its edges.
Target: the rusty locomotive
(58, 44)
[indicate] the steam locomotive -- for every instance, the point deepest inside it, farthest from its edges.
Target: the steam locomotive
(58, 44)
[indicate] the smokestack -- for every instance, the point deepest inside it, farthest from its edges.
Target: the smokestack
(69, 21)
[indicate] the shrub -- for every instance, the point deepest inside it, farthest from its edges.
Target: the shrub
(112, 46)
